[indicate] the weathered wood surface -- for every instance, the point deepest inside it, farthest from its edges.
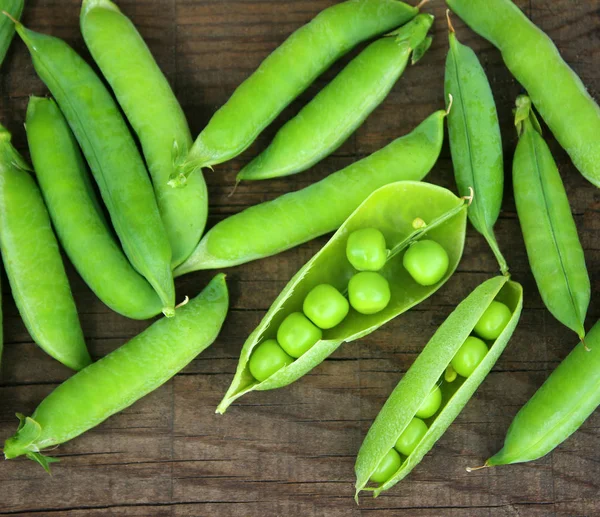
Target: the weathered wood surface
(291, 451)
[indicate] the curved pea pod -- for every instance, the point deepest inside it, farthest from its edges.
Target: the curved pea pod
(475, 141)
(33, 263)
(555, 89)
(425, 374)
(343, 105)
(286, 73)
(154, 113)
(122, 377)
(567, 398)
(392, 210)
(275, 226)
(7, 27)
(553, 248)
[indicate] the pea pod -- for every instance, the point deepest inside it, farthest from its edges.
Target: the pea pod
(155, 114)
(555, 89)
(113, 157)
(33, 263)
(392, 210)
(272, 227)
(425, 374)
(286, 73)
(475, 141)
(122, 377)
(567, 398)
(342, 106)
(78, 218)
(7, 27)
(553, 248)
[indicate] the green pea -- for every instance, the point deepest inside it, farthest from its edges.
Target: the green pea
(493, 321)
(411, 436)
(7, 26)
(267, 358)
(297, 334)
(426, 261)
(369, 292)
(431, 404)
(366, 249)
(325, 306)
(387, 467)
(469, 355)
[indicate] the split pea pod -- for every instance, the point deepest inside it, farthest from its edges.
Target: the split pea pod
(475, 141)
(555, 89)
(78, 218)
(286, 73)
(405, 213)
(113, 157)
(342, 106)
(427, 374)
(154, 113)
(122, 377)
(567, 398)
(272, 227)
(553, 248)
(33, 263)
(7, 27)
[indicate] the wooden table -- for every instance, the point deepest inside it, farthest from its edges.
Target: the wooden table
(291, 452)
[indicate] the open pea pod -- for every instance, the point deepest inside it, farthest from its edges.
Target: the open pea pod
(425, 374)
(404, 212)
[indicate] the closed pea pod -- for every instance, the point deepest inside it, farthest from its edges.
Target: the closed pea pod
(392, 210)
(416, 386)
(123, 376)
(553, 248)
(342, 106)
(7, 27)
(272, 227)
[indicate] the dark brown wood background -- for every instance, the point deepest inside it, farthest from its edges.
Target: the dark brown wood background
(291, 452)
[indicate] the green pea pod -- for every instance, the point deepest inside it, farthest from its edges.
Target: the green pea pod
(33, 263)
(122, 377)
(7, 27)
(286, 73)
(425, 374)
(155, 114)
(567, 398)
(113, 157)
(553, 248)
(392, 210)
(475, 141)
(272, 227)
(78, 218)
(342, 106)
(555, 89)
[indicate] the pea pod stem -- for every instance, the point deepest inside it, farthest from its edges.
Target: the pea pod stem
(7, 29)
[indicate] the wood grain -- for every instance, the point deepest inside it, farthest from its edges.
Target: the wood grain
(291, 451)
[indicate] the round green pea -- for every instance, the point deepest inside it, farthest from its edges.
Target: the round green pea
(325, 306)
(431, 404)
(411, 436)
(369, 292)
(366, 249)
(387, 467)
(267, 358)
(297, 334)
(493, 321)
(426, 261)
(469, 355)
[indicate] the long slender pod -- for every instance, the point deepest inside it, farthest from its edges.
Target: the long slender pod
(475, 141)
(78, 218)
(272, 227)
(114, 159)
(553, 247)
(342, 106)
(555, 89)
(33, 263)
(7, 27)
(154, 113)
(123, 376)
(286, 73)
